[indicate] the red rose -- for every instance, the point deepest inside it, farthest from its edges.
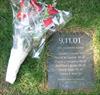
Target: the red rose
(21, 15)
(52, 10)
(36, 5)
(21, 3)
(47, 22)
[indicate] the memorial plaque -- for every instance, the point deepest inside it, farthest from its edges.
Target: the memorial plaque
(70, 61)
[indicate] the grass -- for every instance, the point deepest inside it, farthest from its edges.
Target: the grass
(31, 77)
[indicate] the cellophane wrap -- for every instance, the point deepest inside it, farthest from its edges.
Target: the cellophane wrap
(32, 22)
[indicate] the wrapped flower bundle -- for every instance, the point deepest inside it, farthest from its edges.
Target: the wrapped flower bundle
(32, 20)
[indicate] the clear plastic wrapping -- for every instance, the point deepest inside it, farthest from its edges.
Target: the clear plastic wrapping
(32, 21)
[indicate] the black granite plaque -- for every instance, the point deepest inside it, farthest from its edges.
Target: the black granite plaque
(70, 61)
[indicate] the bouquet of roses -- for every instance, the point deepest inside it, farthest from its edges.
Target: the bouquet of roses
(32, 21)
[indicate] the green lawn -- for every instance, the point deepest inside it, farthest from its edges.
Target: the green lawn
(31, 77)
